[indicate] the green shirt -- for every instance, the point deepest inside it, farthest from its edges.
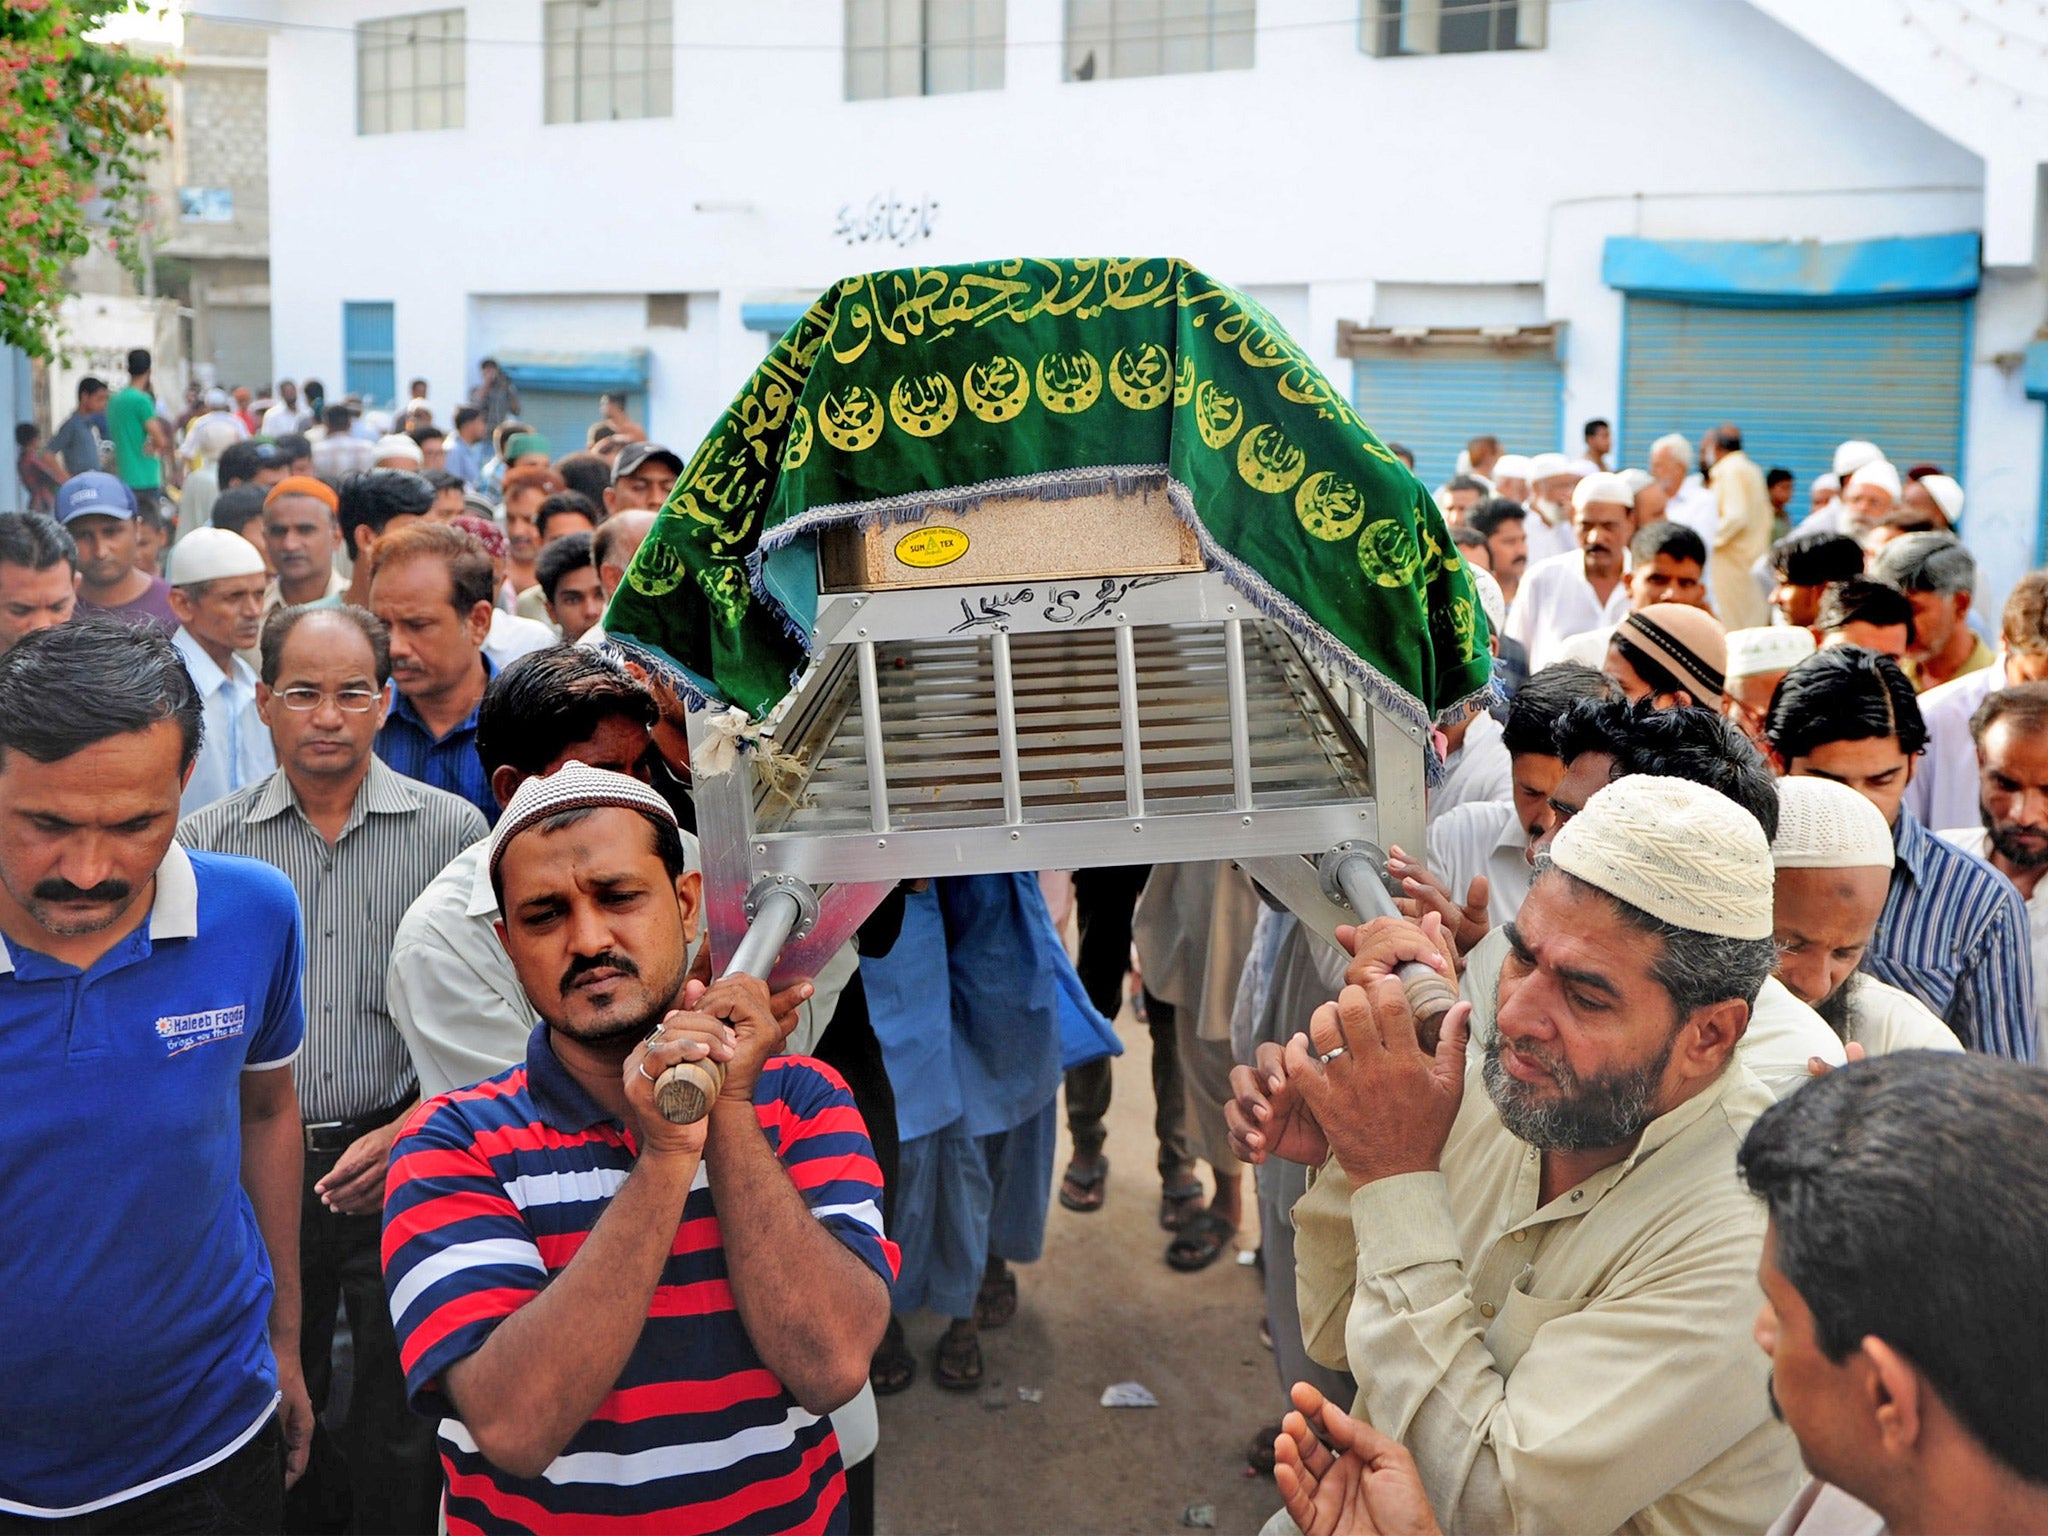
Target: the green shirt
(128, 418)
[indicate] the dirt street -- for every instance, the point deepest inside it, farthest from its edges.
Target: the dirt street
(1100, 1307)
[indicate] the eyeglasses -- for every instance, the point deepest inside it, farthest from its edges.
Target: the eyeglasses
(350, 701)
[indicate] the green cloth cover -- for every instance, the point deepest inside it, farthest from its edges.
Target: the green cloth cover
(938, 386)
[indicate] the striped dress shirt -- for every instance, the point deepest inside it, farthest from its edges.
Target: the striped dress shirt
(1954, 934)
(351, 894)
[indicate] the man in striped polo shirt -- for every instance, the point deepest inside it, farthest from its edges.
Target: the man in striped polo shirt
(618, 1319)
(358, 842)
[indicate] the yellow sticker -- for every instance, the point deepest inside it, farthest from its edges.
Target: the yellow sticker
(929, 548)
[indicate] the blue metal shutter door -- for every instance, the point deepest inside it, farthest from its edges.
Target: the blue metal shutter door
(1435, 400)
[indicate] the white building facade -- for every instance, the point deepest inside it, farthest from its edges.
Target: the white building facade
(1815, 218)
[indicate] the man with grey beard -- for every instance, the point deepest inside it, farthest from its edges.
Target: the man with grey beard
(1535, 1256)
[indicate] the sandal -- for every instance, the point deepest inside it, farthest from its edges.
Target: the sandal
(996, 1303)
(1181, 1202)
(1084, 1186)
(1201, 1242)
(894, 1366)
(1258, 1451)
(957, 1366)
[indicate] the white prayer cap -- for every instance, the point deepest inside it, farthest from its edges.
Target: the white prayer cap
(1511, 466)
(1826, 825)
(1464, 464)
(1602, 486)
(1880, 473)
(1638, 478)
(211, 554)
(573, 787)
(1673, 443)
(1772, 648)
(1827, 483)
(1546, 466)
(217, 399)
(1853, 455)
(1947, 494)
(1677, 850)
(397, 445)
(1491, 599)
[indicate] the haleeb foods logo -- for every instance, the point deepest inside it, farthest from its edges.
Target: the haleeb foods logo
(181, 1032)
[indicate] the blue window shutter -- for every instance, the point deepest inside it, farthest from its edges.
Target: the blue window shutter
(1434, 401)
(369, 344)
(1799, 381)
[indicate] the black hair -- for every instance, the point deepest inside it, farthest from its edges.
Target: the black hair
(293, 446)
(426, 432)
(1595, 425)
(584, 471)
(1465, 536)
(68, 688)
(277, 629)
(1492, 512)
(1402, 452)
(237, 507)
(1658, 678)
(1817, 558)
(550, 699)
(35, 542)
(410, 382)
(1779, 476)
(2025, 704)
(1728, 436)
(1665, 537)
(26, 432)
(557, 559)
(1864, 600)
(240, 462)
(1688, 743)
(563, 503)
(464, 415)
(336, 418)
(1540, 703)
(1927, 562)
(1908, 1197)
(371, 498)
(138, 362)
(1465, 483)
(1844, 693)
(90, 386)
(442, 480)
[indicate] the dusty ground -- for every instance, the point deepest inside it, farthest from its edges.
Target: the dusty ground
(1100, 1307)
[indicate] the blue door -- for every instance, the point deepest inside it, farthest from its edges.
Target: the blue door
(369, 347)
(1434, 401)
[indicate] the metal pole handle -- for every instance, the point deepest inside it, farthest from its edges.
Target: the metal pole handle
(1429, 996)
(685, 1091)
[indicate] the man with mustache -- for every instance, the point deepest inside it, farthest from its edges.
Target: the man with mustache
(1489, 1222)
(358, 843)
(619, 1319)
(149, 1295)
(2011, 731)
(1568, 594)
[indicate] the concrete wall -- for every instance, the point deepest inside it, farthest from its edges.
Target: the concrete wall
(1460, 189)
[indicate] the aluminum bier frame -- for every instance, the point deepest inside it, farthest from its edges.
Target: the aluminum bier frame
(1054, 724)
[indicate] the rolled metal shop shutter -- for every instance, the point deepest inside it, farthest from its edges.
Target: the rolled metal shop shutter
(1436, 394)
(1797, 381)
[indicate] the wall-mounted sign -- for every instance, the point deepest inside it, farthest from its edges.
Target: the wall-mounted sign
(886, 219)
(206, 205)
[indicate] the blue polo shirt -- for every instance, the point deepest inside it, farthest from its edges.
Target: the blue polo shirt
(134, 1285)
(410, 747)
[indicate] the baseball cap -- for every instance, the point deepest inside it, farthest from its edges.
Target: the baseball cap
(633, 455)
(94, 494)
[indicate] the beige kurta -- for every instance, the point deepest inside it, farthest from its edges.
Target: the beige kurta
(1575, 1367)
(1741, 537)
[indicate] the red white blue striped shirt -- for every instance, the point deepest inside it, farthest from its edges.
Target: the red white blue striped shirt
(493, 1190)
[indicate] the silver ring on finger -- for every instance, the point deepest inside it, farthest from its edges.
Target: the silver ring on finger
(1329, 1056)
(649, 1075)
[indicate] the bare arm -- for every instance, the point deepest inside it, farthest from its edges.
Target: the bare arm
(543, 1371)
(273, 1171)
(813, 1310)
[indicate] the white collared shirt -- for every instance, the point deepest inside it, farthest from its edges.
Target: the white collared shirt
(1555, 602)
(1478, 770)
(512, 637)
(234, 749)
(1483, 838)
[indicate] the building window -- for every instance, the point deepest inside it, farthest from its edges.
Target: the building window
(409, 72)
(1115, 39)
(609, 59)
(923, 47)
(1395, 27)
(369, 352)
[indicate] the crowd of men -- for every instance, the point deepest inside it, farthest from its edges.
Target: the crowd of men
(352, 913)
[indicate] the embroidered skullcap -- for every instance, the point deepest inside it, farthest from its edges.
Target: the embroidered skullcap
(1510, 466)
(304, 485)
(1830, 483)
(1546, 466)
(1772, 648)
(1492, 602)
(213, 554)
(1880, 473)
(1826, 825)
(397, 445)
(524, 443)
(1638, 479)
(1676, 850)
(485, 532)
(1687, 642)
(1853, 455)
(1947, 494)
(573, 787)
(1603, 487)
